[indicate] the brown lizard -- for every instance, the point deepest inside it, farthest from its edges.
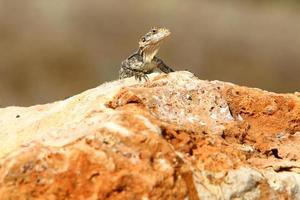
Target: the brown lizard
(144, 60)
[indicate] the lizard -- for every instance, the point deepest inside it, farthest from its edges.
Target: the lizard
(144, 60)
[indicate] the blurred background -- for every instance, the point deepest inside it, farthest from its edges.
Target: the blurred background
(50, 50)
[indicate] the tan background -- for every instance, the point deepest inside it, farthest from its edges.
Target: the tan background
(50, 50)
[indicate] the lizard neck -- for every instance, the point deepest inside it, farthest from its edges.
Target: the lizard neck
(148, 53)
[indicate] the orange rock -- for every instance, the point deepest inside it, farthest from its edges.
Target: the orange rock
(174, 137)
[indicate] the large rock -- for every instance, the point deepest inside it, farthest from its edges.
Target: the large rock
(173, 137)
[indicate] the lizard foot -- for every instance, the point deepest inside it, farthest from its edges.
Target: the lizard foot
(140, 75)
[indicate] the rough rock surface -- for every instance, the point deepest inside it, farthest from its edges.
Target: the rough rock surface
(173, 137)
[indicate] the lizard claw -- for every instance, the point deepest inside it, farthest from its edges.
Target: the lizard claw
(138, 75)
(141, 75)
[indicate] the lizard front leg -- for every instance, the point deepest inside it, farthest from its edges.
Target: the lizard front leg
(162, 66)
(126, 72)
(139, 75)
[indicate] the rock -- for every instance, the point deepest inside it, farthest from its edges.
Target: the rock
(173, 137)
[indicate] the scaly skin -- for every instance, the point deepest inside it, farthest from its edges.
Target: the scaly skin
(144, 61)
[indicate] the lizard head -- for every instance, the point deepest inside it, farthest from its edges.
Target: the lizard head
(151, 41)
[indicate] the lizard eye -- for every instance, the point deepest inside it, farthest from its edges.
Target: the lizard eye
(143, 39)
(154, 31)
